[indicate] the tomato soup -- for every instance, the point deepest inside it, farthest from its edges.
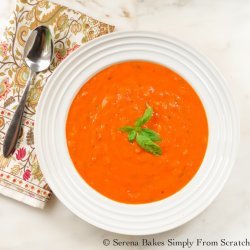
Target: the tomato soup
(122, 170)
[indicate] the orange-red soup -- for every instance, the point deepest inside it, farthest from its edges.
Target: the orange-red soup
(116, 97)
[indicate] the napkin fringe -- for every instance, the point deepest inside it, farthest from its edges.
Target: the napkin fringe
(16, 195)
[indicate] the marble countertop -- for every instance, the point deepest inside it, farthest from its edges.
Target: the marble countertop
(221, 31)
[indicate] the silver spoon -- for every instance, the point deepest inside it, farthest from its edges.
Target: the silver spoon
(38, 54)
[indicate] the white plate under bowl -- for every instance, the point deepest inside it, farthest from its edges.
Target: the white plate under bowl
(75, 193)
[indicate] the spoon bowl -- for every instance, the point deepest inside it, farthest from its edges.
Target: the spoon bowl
(38, 51)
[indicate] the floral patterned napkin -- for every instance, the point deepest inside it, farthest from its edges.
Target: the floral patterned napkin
(20, 175)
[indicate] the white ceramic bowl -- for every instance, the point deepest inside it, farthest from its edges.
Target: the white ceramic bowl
(75, 193)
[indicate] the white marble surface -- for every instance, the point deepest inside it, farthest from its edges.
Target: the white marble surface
(218, 29)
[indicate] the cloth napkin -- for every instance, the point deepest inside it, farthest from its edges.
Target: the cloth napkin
(20, 175)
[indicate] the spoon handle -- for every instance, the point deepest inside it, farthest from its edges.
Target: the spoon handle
(12, 134)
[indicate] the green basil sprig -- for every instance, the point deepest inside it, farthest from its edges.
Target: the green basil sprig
(144, 137)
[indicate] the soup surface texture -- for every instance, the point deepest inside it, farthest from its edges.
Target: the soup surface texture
(102, 154)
